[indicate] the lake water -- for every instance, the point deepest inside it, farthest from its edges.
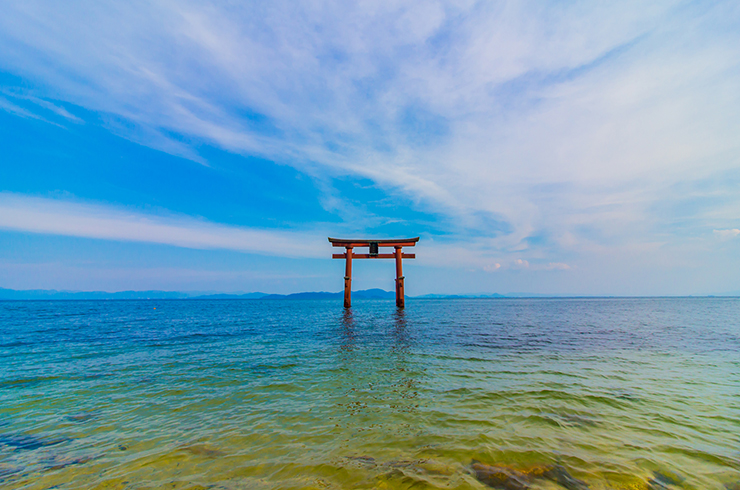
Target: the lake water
(621, 393)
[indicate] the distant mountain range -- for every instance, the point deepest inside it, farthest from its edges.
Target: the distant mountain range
(365, 294)
(51, 294)
(6, 294)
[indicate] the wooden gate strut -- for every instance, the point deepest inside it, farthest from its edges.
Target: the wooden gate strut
(373, 253)
(348, 279)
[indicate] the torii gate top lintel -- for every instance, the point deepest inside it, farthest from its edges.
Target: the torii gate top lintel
(373, 244)
(365, 242)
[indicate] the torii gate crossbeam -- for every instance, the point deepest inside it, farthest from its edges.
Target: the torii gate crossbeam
(373, 246)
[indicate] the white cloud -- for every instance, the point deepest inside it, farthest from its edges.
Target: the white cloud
(69, 218)
(727, 234)
(559, 266)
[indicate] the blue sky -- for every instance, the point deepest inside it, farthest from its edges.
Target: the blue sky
(561, 147)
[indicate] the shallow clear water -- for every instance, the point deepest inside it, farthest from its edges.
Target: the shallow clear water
(300, 394)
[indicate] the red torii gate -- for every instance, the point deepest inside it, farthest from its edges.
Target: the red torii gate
(349, 245)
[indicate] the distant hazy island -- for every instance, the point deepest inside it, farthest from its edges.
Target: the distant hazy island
(51, 294)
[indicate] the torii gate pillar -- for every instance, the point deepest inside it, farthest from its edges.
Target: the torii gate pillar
(373, 245)
(400, 298)
(348, 279)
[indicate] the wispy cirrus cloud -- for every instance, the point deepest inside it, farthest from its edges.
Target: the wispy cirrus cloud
(13, 108)
(44, 104)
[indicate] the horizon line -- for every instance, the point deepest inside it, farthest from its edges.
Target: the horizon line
(257, 295)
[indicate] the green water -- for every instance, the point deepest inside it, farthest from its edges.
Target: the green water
(300, 394)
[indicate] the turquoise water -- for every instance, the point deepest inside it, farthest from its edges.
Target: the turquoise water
(621, 393)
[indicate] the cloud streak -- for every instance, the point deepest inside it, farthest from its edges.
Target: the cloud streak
(68, 218)
(727, 234)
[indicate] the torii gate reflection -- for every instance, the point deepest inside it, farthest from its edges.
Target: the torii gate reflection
(397, 244)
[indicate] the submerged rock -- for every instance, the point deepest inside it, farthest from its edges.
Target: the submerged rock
(399, 463)
(560, 475)
(518, 479)
(80, 417)
(59, 462)
(366, 460)
(661, 481)
(431, 467)
(500, 476)
(399, 467)
(402, 477)
(203, 450)
(28, 442)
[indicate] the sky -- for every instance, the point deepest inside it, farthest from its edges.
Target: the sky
(585, 148)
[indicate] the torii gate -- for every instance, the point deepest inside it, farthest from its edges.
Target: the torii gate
(349, 245)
